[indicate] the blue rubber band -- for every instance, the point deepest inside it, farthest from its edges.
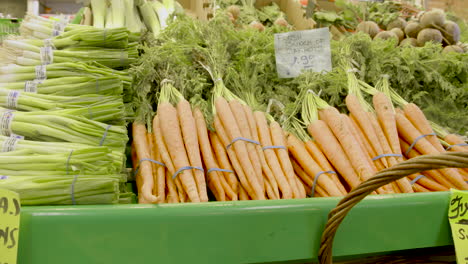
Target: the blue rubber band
(218, 169)
(243, 139)
(417, 179)
(73, 190)
(68, 160)
(386, 155)
(312, 193)
(457, 145)
(416, 141)
(150, 160)
(274, 147)
(187, 168)
(105, 135)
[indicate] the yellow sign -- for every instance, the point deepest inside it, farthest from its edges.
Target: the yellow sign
(9, 226)
(458, 217)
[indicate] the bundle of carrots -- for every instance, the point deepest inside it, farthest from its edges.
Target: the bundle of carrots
(249, 156)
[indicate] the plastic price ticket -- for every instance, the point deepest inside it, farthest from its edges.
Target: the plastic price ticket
(307, 50)
(458, 217)
(9, 226)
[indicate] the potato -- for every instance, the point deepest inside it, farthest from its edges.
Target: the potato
(397, 23)
(433, 19)
(399, 32)
(368, 27)
(429, 34)
(387, 35)
(453, 48)
(451, 32)
(412, 29)
(409, 41)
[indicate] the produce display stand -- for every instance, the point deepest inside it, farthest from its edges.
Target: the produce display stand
(275, 231)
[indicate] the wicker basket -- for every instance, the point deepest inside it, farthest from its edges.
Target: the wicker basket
(384, 177)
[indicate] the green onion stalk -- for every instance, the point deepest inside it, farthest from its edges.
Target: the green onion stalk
(49, 126)
(116, 38)
(27, 101)
(39, 147)
(29, 55)
(86, 161)
(57, 70)
(38, 27)
(63, 190)
(67, 86)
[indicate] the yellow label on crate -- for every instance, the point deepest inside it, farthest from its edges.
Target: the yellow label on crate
(458, 217)
(9, 226)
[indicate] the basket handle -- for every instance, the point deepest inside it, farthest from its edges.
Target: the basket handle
(384, 177)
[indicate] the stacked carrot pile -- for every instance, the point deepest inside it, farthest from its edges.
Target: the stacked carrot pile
(248, 156)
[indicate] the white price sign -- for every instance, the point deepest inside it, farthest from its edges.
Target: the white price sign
(307, 50)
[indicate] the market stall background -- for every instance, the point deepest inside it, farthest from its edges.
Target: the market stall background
(39, 218)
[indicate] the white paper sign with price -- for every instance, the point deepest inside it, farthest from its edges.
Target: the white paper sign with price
(307, 50)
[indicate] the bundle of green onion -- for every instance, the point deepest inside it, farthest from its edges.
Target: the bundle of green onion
(15, 73)
(54, 127)
(64, 190)
(83, 36)
(92, 160)
(39, 147)
(67, 86)
(29, 55)
(38, 27)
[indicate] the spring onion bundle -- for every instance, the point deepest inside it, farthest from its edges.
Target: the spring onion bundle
(48, 190)
(42, 28)
(38, 147)
(30, 55)
(82, 161)
(116, 38)
(70, 86)
(49, 126)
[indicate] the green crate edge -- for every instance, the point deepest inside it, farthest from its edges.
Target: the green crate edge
(279, 231)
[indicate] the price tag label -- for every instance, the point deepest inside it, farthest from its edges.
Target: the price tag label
(458, 217)
(307, 50)
(9, 226)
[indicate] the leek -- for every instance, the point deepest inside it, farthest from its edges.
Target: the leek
(149, 17)
(99, 12)
(118, 13)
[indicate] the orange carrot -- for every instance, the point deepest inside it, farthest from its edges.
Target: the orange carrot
(433, 174)
(270, 155)
(245, 182)
(365, 144)
(308, 181)
(242, 122)
(158, 170)
(360, 114)
(419, 188)
(403, 183)
(243, 196)
(266, 169)
(297, 148)
(278, 139)
(172, 195)
(158, 138)
(428, 183)
(317, 155)
(232, 131)
(334, 151)
(418, 119)
(223, 161)
(386, 116)
(454, 140)
(146, 172)
(173, 139)
(409, 133)
(208, 157)
(189, 135)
